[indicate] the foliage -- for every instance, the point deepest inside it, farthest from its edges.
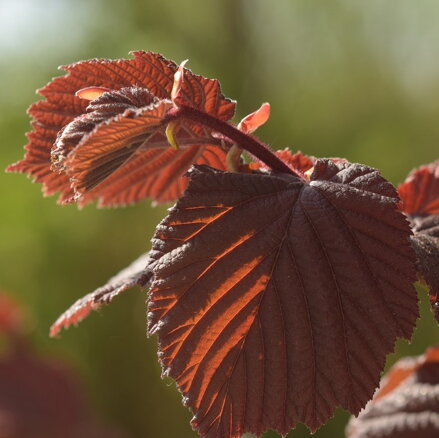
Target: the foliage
(278, 287)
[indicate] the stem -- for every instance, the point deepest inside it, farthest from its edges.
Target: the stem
(245, 141)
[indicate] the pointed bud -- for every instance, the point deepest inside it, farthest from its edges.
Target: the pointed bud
(178, 80)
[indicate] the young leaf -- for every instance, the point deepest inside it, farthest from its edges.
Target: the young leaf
(256, 119)
(136, 274)
(420, 191)
(128, 158)
(275, 299)
(66, 101)
(407, 404)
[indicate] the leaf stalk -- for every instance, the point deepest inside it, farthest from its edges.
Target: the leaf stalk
(246, 141)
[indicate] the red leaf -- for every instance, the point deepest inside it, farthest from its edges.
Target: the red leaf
(420, 191)
(148, 71)
(118, 152)
(136, 274)
(425, 242)
(11, 317)
(276, 299)
(407, 404)
(297, 161)
(256, 119)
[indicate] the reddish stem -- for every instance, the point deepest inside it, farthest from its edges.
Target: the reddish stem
(245, 141)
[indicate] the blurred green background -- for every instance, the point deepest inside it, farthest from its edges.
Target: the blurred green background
(351, 78)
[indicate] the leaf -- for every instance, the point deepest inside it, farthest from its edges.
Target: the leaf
(297, 161)
(118, 152)
(256, 119)
(275, 299)
(420, 201)
(103, 109)
(147, 70)
(407, 404)
(425, 242)
(136, 274)
(420, 191)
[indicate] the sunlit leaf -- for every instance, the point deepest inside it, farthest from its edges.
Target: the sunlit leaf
(407, 404)
(276, 300)
(91, 93)
(63, 104)
(136, 274)
(256, 119)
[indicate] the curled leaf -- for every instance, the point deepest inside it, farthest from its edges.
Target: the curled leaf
(103, 109)
(420, 191)
(407, 403)
(136, 274)
(264, 287)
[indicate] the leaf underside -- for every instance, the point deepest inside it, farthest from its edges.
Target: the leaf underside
(157, 170)
(407, 404)
(264, 289)
(136, 274)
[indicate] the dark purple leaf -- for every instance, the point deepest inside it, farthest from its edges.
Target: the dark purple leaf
(275, 299)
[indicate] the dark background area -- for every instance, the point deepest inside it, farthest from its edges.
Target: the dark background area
(344, 78)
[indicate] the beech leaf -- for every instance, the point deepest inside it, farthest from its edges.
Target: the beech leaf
(136, 274)
(407, 404)
(276, 299)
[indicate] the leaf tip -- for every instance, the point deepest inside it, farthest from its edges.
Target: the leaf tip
(91, 93)
(256, 119)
